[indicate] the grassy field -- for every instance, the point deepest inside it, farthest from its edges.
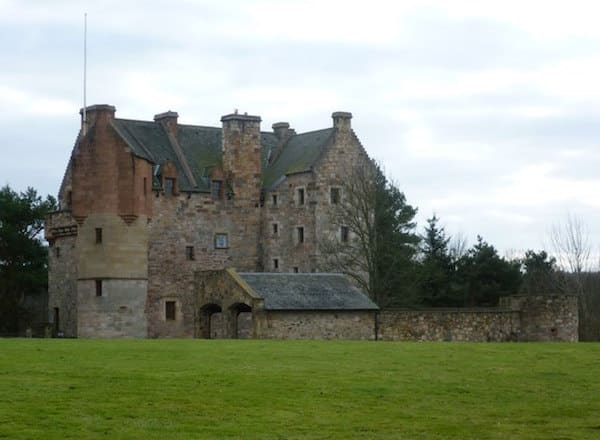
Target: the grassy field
(297, 389)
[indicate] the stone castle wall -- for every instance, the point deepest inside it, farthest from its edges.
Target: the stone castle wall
(518, 318)
(317, 213)
(61, 233)
(180, 222)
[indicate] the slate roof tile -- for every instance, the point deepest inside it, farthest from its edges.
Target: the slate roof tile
(202, 148)
(307, 291)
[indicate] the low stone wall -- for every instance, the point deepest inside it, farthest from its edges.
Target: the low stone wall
(517, 318)
(319, 324)
(473, 325)
(546, 317)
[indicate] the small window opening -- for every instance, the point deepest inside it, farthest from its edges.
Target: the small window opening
(221, 241)
(301, 196)
(169, 186)
(274, 199)
(57, 252)
(296, 269)
(170, 312)
(98, 287)
(344, 233)
(98, 235)
(189, 252)
(300, 234)
(275, 228)
(335, 196)
(275, 263)
(145, 186)
(216, 189)
(69, 199)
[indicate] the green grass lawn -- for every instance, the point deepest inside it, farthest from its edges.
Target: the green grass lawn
(297, 389)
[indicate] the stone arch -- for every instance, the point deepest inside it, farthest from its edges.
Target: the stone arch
(210, 322)
(240, 318)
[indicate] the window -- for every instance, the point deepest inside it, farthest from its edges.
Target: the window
(275, 263)
(169, 186)
(300, 196)
(334, 196)
(98, 287)
(344, 233)
(98, 235)
(189, 252)
(296, 269)
(215, 189)
(57, 252)
(275, 228)
(69, 199)
(300, 234)
(274, 199)
(170, 312)
(221, 241)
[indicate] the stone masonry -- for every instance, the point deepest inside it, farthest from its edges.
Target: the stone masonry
(150, 209)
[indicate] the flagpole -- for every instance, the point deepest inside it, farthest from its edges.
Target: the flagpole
(84, 73)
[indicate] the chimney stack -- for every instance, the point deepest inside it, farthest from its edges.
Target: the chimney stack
(168, 120)
(102, 113)
(341, 120)
(281, 130)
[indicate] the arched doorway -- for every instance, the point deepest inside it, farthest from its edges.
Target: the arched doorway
(210, 322)
(241, 321)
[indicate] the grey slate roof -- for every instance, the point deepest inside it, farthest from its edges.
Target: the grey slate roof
(307, 291)
(202, 148)
(299, 154)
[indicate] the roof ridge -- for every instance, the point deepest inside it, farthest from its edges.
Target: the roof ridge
(133, 136)
(312, 131)
(198, 126)
(180, 156)
(134, 120)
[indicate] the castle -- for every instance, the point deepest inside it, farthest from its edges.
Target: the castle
(172, 230)
(152, 212)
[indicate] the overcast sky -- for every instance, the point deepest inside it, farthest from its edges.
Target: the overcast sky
(485, 113)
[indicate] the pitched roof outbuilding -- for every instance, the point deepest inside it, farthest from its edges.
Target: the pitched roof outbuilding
(307, 291)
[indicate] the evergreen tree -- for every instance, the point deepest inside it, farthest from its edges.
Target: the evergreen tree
(485, 276)
(23, 257)
(437, 271)
(379, 253)
(540, 273)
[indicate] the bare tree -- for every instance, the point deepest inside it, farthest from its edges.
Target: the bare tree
(353, 254)
(571, 244)
(458, 246)
(373, 239)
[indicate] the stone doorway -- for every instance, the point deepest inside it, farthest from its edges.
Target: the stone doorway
(241, 321)
(211, 322)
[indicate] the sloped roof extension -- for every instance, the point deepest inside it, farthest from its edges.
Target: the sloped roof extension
(307, 291)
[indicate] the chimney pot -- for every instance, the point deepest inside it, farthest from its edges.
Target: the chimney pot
(342, 120)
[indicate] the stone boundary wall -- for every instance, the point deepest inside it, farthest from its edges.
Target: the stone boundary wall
(518, 318)
(546, 317)
(472, 325)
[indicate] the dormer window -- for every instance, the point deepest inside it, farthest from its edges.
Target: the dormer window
(215, 189)
(169, 186)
